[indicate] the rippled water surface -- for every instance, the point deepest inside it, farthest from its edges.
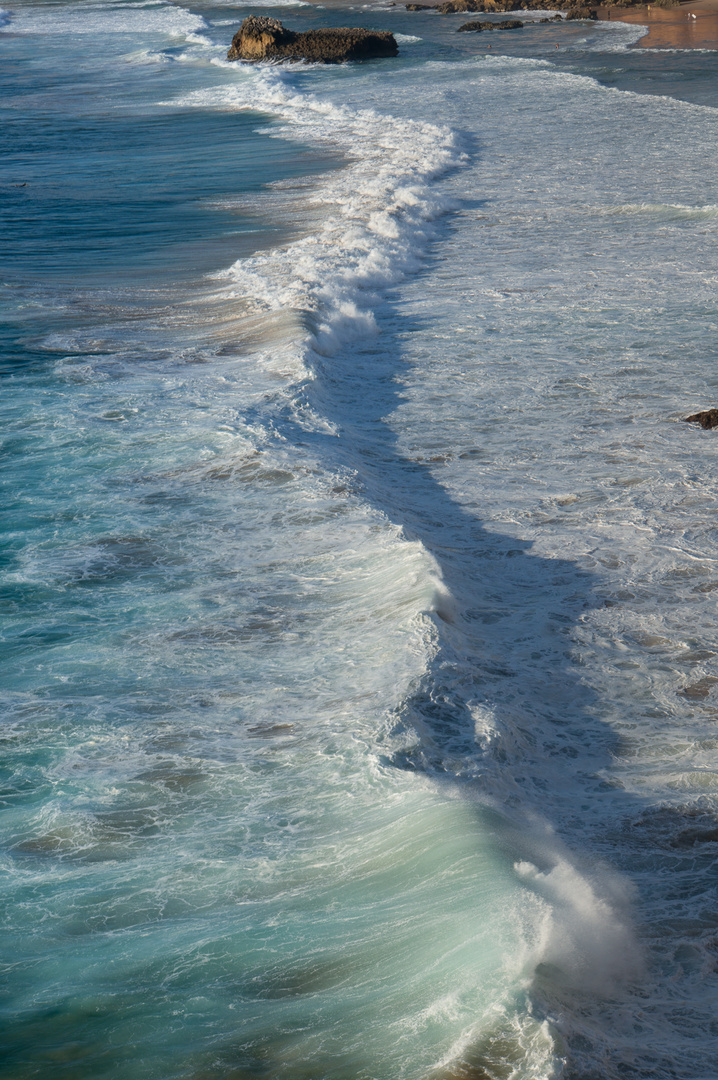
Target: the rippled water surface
(359, 573)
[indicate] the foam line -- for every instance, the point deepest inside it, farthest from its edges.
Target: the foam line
(376, 214)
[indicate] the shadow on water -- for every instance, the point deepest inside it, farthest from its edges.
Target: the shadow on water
(502, 714)
(504, 625)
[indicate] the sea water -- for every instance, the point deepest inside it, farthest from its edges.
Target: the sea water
(359, 574)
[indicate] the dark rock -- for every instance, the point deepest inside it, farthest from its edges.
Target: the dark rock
(506, 24)
(574, 9)
(262, 38)
(700, 690)
(703, 831)
(449, 7)
(580, 11)
(707, 419)
(691, 837)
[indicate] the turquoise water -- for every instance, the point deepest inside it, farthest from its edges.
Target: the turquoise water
(357, 572)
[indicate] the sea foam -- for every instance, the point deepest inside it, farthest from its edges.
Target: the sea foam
(374, 217)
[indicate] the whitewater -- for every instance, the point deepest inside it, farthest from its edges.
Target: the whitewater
(359, 571)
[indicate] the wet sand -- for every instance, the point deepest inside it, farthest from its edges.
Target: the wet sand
(692, 25)
(668, 28)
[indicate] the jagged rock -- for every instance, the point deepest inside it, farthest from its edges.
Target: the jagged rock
(507, 24)
(451, 6)
(580, 11)
(707, 419)
(262, 38)
(574, 8)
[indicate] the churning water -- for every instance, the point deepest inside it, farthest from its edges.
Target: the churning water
(359, 577)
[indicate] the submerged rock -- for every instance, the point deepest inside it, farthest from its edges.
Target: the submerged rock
(478, 25)
(707, 419)
(262, 38)
(700, 690)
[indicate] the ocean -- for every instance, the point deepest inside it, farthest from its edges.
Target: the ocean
(359, 574)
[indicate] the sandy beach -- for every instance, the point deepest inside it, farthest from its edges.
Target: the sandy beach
(689, 26)
(692, 25)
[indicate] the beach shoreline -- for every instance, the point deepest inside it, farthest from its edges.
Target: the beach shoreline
(689, 25)
(692, 25)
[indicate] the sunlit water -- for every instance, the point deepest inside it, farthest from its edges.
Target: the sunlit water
(359, 573)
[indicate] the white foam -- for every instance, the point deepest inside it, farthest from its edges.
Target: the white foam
(625, 35)
(99, 19)
(586, 932)
(667, 211)
(375, 215)
(566, 329)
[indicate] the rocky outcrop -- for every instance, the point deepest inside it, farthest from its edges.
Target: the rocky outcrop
(450, 6)
(262, 38)
(479, 25)
(580, 11)
(707, 419)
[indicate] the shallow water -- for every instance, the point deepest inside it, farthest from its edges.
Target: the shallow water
(360, 637)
